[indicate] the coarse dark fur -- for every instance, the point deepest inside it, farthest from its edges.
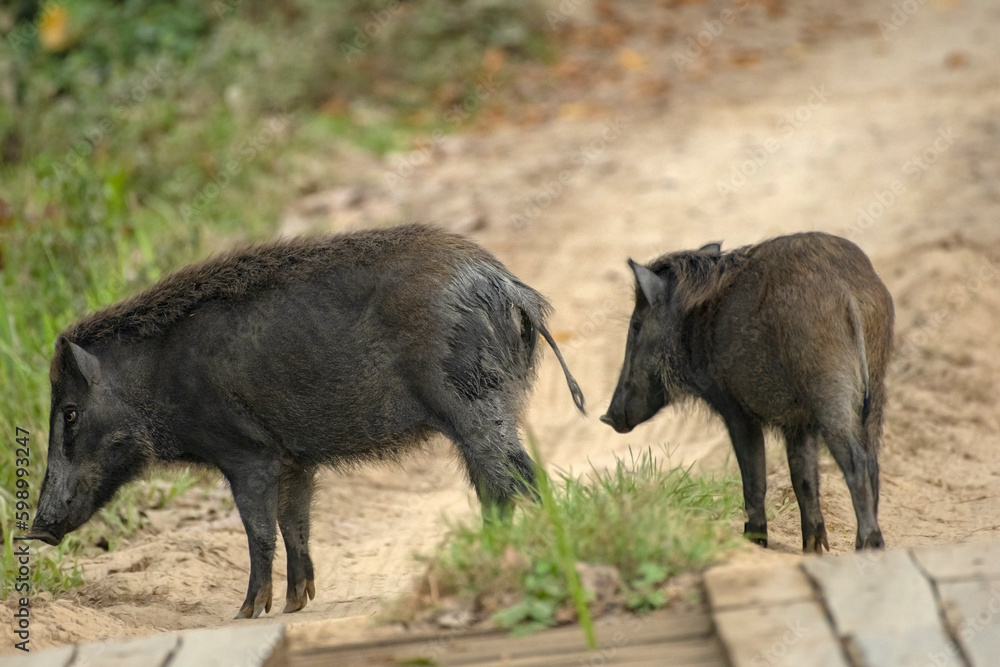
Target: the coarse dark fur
(269, 361)
(793, 334)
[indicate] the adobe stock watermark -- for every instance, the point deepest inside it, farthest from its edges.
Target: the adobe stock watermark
(551, 190)
(224, 8)
(958, 296)
(599, 317)
(610, 309)
(775, 653)
(900, 16)
(760, 154)
(911, 172)
(562, 13)
(23, 34)
(364, 34)
(404, 165)
(119, 114)
(969, 628)
(246, 151)
(696, 45)
(607, 651)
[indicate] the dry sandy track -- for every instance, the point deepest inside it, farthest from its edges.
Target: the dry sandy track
(643, 179)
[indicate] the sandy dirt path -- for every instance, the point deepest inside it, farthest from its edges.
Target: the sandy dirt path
(804, 140)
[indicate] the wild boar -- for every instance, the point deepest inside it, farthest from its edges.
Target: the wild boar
(271, 360)
(792, 334)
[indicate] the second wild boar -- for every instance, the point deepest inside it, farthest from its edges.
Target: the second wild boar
(792, 334)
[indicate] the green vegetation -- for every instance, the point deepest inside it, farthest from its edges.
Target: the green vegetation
(648, 522)
(136, 134)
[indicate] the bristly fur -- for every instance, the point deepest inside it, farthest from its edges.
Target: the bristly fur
(700, 277)
(792, 334)
(324, 350)
(242, 273)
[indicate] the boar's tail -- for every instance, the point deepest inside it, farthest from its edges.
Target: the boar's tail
(859, 336)
(574, 388)
(534, 307)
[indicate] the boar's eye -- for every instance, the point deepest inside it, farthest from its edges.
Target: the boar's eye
(70, 416)
(635, 326)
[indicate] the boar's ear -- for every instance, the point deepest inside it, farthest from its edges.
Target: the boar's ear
(75, 362)
(653, 286)
(711, 249)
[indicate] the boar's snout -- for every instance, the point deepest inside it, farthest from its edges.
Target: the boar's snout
(60, 510)
(47, 536)
(50, 524)
(617, 415)
(47, 528)
(632, 405)
(617, 424)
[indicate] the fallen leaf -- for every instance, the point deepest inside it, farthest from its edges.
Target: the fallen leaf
(53, 29)
(956, 59)
(631, 60)
(493, 60)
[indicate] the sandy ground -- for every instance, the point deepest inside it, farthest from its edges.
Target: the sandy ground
(808, 114)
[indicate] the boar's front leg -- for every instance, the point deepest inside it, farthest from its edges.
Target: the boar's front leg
(255, 490)
(748, 442)
(295, 496)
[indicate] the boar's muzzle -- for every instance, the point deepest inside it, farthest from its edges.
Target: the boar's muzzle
(619, 426)
(56, 517)
(47, 536)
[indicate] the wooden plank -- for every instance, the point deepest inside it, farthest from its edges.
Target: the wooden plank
(615, 635)
(429, 639)
(972, 609)
(245, 644)
(883, 607)
(976, 560)
(736, 586)
(627, 631)
(152, 651)
(548, 648)
(793, 634)
(488, 645)
(52, 657)
(685, 653)
(680, 654)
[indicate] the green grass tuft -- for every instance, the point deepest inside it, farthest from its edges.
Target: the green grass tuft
(648, 522)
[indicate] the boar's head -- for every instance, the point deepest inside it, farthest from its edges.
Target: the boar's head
(641, 393)
(96, 444)
(657, 364)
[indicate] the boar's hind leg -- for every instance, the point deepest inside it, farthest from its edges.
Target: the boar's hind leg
(255, 490)
(857, 465)
(498, 466)
(294, 498)
(748, 443)
(803, 462)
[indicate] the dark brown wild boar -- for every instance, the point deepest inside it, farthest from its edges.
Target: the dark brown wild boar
(270, 361)
(794, 333)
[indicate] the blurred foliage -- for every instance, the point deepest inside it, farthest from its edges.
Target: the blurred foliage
(133, 132)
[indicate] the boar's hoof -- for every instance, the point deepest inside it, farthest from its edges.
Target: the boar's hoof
(298, 597)
(871, 541)
(261, 603)
(756, 534)
(815, 544)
